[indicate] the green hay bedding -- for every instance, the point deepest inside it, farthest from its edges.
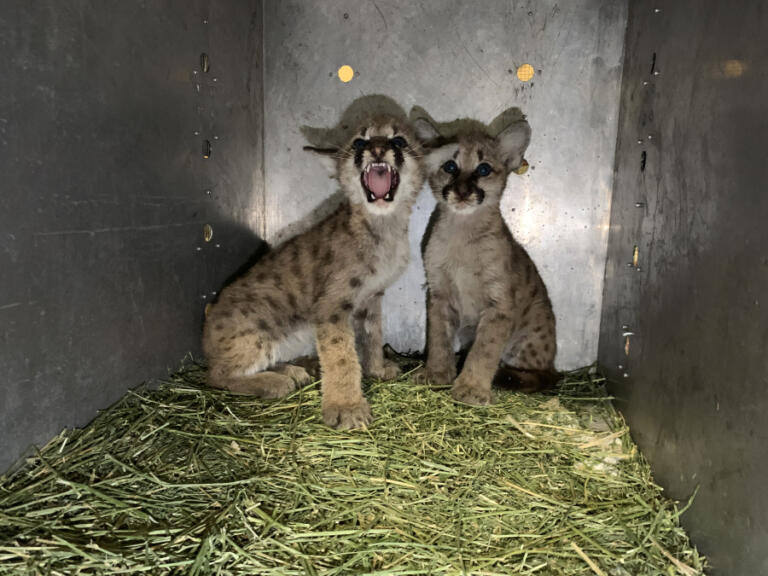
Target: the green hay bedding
(183, 479)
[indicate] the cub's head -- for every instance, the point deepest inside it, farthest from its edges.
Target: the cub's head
(468, 170)
(379, 165)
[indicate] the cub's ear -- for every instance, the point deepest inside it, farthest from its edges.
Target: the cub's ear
(425, 128)
(426, 132)
(513, 142)
(328, 158)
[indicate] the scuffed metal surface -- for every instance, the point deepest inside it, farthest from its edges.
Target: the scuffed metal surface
(459, 59)
(695, 386)
(103, 264)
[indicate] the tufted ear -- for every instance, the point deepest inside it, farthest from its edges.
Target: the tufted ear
(513, 142)
(328, 158)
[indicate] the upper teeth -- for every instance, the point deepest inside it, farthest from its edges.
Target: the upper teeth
(378, 165)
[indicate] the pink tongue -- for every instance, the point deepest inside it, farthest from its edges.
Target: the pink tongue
(379, 181)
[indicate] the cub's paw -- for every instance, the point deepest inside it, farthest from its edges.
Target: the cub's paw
(267, 385)
(469, 392)
(296, 373)
(388, 371)
(436, 377)
(347, 416)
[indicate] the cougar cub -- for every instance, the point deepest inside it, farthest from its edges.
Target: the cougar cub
(483, 288)
(325, 284)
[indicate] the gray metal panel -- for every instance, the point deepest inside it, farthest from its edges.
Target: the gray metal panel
(459, 58)
(103, 266)
(696, 391)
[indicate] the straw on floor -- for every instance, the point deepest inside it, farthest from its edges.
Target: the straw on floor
(182, 479)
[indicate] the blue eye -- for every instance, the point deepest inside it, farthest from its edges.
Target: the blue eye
(451, 167)
(399, 142)
(360, 144)
(483, 169)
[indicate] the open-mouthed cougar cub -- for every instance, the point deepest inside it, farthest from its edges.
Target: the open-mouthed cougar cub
(325, 284)
(483, 288)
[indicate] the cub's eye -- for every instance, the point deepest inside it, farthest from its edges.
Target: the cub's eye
(399, 142)
(483, 169)
(451, 167)
(359, 144)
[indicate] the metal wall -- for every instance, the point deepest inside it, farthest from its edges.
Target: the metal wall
(458, 58)
(690, 193)
(104, 270)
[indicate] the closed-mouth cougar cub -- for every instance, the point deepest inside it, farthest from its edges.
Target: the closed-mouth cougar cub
(325, 284)
(483, 288)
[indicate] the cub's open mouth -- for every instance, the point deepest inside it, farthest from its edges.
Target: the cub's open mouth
(380, 181)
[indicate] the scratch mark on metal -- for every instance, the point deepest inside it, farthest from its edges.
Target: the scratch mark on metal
(477, 63)
(386, 26)
(9, 306)
(94, 231)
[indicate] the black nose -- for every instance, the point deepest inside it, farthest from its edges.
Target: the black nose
(463, 190)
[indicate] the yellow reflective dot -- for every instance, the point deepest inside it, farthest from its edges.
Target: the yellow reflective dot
(733, 68)
(346, 73)
(525, 72)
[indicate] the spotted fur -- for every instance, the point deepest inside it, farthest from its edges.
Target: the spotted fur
(322, 288)
(485, 295)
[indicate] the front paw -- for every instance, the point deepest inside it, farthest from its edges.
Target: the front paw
(437, 377)
(347, 416)
(389, 370)
(468, 392)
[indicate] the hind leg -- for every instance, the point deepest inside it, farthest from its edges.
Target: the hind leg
(245, 360)
(529, 362)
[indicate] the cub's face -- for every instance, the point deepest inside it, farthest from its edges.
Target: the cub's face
(467, 174)
(471, 171)
(381, 166)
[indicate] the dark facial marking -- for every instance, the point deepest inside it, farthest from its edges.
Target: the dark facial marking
(355, 282)
(333, 318)
(346, 305)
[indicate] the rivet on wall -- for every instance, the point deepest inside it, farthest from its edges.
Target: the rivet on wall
(346, 73)
(525, 72)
